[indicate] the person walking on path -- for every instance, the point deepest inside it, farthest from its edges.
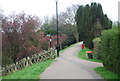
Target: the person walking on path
(69, 66)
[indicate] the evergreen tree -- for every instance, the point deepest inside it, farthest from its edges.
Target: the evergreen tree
(90, 21)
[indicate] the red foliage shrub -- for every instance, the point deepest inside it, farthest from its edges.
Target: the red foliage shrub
(21, 37)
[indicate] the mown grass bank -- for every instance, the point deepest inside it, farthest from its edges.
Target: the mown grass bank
(82, 55)
(61, 51)
(107, 75)
(31, 72)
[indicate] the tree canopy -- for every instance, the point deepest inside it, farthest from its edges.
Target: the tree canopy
(90, 21)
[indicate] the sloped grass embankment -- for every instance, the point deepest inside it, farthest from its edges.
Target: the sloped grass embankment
(31, 72)
(82, 55)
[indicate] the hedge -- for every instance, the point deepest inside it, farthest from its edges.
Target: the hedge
(109, 47)
(96, 50)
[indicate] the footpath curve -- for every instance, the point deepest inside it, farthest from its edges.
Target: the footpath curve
(69, 66)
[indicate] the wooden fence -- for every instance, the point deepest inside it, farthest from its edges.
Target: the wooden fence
(25, 62)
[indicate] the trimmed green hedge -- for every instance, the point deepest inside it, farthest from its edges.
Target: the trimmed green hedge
(109, 47)
(96, 50)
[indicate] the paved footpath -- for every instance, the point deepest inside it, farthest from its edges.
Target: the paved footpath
(69, 66)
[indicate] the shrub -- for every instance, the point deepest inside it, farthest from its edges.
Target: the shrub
(21, 37)
(96, 50)
(110, 50)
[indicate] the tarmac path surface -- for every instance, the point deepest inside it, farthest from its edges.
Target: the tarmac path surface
(69, 66)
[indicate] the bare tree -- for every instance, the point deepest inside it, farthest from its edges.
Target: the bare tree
(71, 12)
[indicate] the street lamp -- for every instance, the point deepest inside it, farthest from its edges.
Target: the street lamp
(58, 47)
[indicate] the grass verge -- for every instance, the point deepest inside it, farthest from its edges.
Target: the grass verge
(61, 51)
(82, 55)
(107, 75)
(31, 72)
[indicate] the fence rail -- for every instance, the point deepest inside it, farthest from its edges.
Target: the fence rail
(25, 62)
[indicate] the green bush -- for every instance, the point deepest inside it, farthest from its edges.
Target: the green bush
(96, 50)
(110, 50)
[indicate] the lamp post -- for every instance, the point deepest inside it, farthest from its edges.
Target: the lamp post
(50, 39)
(58, 47)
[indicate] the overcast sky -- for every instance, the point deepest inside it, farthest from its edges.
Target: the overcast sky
(47, 7)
